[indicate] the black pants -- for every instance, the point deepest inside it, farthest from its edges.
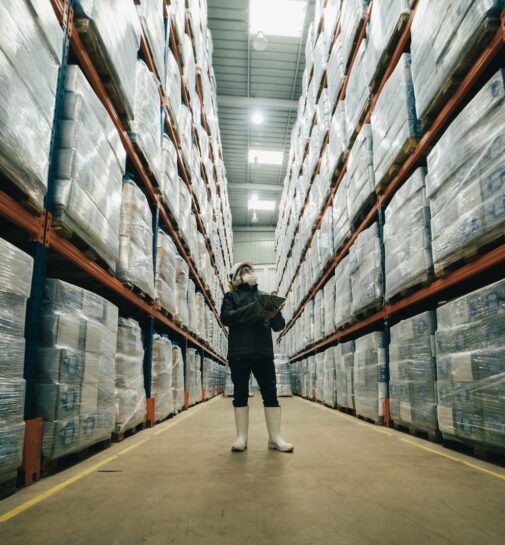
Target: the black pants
(264, 371)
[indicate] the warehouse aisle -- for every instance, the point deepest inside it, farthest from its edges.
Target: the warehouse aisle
(347, 482)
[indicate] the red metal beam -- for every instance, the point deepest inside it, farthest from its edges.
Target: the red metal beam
(29, 222)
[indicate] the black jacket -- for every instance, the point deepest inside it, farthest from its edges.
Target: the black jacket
(246, 338)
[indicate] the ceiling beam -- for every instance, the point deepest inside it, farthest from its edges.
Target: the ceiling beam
(254, 187)
(232, 101)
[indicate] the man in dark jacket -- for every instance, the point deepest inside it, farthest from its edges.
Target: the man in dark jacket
(250, 349)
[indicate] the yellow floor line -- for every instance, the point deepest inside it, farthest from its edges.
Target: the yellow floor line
(44, 495)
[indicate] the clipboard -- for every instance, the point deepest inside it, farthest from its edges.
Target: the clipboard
(263, 303)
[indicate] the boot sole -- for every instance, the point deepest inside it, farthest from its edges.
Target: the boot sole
(280, 450)
(234, 449)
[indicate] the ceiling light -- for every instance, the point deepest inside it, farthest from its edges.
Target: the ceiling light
(254, 197)
(254, 218)
(278, 18)
(266, 157)
(260, 41)
(257, 118)
(261, 205)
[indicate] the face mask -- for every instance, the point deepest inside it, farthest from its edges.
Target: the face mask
(249, 278)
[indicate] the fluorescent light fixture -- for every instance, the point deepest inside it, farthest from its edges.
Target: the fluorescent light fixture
(277, 18)
(257, 118)
(265, 157)
(254, 218)
(254, 204)
(260, 42)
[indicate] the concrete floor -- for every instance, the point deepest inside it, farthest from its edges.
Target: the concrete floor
(347, 483)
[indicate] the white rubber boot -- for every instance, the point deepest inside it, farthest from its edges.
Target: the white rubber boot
(275, 440)
(242, 425)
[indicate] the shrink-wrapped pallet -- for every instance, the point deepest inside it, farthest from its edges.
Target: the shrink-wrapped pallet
(173, 85)
(412, 373)
(130, 395)
(181, 286)
(360, 175)
(310, 379)
(329, 397)
(366, 271)
(318, 316)
(344, 371)
(162, 376)
(395, 128)
(465, 178)
(283, 375)
(146, 126)
(335, 72)
(471, 369)
(177, 378)
(113, 28)
(343, 293)
(170, 179)
(11, 449)
(370, 376)
(446, 37)
(135, 263)
(329, 306)
(151, 18)
(31, 41)
(89, 169)
(387, 18)
(165, 282)
(336, 147)
(319, 376)
(341, 223)
(407, 237)
(75, 383)
(351, 15)
(357, 93)
(191, 306)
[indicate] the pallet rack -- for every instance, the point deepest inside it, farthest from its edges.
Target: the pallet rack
(46, 245)
(468, 276)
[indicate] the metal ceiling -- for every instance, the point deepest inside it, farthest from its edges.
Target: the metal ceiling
(269, 81)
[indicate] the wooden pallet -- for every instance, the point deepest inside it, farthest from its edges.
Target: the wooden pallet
(90, 37)
(72, 236)
(432, 435)
(413, 288)
(489, 453)
(8, 484)
(378, 422)
(346, 410)
(13, 190)
(161, 420)
(137, 291)
(407, 149)
(368, 311)
(465, 255)
(388, 52)
(52, 466)
(466, 60)
(118, 436)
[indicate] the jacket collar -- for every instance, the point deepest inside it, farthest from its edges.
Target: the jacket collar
(247, 287)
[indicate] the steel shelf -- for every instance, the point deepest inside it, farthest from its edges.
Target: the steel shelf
(440, 122)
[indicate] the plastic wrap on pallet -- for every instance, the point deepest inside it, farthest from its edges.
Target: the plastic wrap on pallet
(395, 127)
(331, 18)
(130, 395)
(407, 237)
(352, 13)
(189, 68)
(329, 306)
(283, 375)
(228, 387)
(190, 375)
(412, 372)
(443, 44)
(74, 390)
(341, 223)
(343, 292)
(11, 448)
(135, 263)
(385, 21)
(165, 284)
(336, 144)
(326, 238)
(177, 378)
(335, 72)
(146, 126)
(199, 319)
(366, 271)
(173, 85)
(31, 41)
(344, 371)
(471, 367)
(181, 284)
(116, 29)
(360, 175)
(89, 171)
(319, 376)
(320, 59)
(184, 208)
(184, 121)
(151, 18)
(465, 178)
(329, 397)
(357, 92)
(191, 306)
(161, 377)
(170, 180)
(370, 376)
